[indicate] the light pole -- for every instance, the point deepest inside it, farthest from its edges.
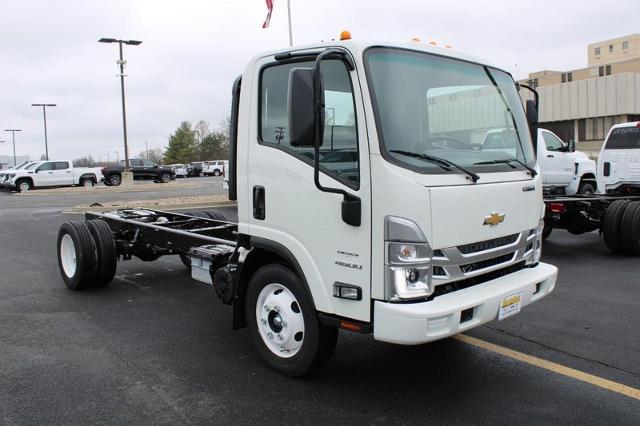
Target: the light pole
(146, 147)
(122, 63)
(126, 164)
(44, 113)
(13, 137)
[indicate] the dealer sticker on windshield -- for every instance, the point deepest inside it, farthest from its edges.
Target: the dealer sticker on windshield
(510, 305)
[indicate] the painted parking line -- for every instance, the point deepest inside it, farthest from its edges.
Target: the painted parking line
(609, 385)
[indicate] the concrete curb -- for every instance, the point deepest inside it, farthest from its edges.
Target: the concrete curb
(102, 209)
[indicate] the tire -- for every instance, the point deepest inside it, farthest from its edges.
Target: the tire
(216, 215)
(278, 308)
(115, 179)
(546, 231)
(76, 255)
(185, 260)
(586, 189)
(165, 178)
(216, 173)
(611, 225)
(106, 250)
(630, 229)
(87, 182)
(106, 182)
(24, 185)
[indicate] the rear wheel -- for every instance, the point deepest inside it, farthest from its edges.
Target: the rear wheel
(115, 180)
(106, 251)
(216, 172)
(611, 225)
(201, 213)
(87, 182)
(216, 215)
(283, 323)
(76, 255)
(630, 229)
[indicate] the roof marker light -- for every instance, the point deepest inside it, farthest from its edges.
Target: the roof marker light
(345, 35)
(448, 46)
(416, 39)
(433, 43)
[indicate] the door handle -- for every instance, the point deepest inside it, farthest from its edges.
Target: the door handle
(50, 173)
(550, 156)
(68, 172)
(258, 203)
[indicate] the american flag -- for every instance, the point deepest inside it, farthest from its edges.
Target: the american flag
(270, 7)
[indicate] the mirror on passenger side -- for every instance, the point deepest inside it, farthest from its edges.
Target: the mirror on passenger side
(532, 120)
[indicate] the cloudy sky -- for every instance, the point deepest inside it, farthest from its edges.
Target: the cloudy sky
(193, 49)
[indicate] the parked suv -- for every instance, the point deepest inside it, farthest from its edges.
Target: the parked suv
(213, 168)
(142, 169)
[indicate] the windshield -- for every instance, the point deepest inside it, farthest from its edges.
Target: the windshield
(458, 111)
(32, 166)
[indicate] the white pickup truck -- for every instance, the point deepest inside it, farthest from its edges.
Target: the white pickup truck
(564, 170)
(52, 173)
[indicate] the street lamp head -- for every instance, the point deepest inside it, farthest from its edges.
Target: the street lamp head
(107, 40)
(133, 42)
(12, 130)
(44, 105)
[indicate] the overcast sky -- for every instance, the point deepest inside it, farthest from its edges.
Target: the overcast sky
(193, 49)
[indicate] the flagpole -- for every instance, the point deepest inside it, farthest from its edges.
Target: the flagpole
(290, 30)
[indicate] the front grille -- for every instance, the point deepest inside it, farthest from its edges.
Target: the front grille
(481, 264)
(439, 271)
(470, 282)
(488, 244)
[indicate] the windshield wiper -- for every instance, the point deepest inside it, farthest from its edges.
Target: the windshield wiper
(531, 170)
(445, 164)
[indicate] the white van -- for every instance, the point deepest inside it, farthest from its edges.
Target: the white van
(619, 160)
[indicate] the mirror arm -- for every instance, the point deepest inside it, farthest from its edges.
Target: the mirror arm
(351, 205)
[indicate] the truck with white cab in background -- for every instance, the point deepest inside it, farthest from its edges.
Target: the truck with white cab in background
(564, 170)
(41, 174)
(422, 236)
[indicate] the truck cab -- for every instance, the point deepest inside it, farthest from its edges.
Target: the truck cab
(421, 235)
(619, 160)
(564, 170)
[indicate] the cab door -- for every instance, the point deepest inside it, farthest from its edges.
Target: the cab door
(285, 206)
(44, 174)
(556, 163)
(63, 173)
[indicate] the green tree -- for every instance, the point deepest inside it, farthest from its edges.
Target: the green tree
(183, 147)
(215, 146)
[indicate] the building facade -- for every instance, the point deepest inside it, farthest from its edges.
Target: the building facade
(583, 104)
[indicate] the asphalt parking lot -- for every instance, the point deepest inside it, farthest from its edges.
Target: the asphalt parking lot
(157, 347)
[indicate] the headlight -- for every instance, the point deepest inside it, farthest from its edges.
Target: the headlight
(408, 261)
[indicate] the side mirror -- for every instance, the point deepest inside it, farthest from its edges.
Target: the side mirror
(302, 114)
(572, 145)
(532, 120)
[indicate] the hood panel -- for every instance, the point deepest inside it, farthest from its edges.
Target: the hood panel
(458, 212)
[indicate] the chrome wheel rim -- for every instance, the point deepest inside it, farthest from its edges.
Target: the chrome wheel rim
(280, 320)
(24, 186)
(68, 255)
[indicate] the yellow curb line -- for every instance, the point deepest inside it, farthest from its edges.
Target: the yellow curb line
(609, 385)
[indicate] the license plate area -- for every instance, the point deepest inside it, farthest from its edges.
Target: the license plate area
(510, 305)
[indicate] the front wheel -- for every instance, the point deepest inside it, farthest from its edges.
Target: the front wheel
(586, 189)
(283, 323)
(24, 185)
(165, 178)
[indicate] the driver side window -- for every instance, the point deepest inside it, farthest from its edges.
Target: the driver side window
(552, 142)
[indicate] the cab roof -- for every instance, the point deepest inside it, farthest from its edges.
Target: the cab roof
(357, 47)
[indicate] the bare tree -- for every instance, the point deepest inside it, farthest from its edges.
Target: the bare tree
(155, 154)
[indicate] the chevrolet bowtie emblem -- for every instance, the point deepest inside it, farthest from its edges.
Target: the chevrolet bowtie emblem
(493, 219)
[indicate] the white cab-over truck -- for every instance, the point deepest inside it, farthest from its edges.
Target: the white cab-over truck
(619, 160)
(414, 242)
(52, 173)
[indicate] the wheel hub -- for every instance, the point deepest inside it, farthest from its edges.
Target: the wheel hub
(280, 320)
